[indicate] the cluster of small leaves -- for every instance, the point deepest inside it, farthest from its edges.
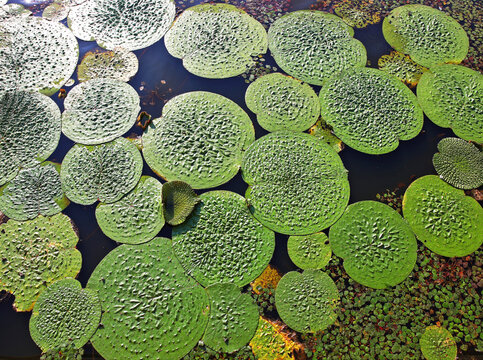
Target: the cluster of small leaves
(265, 298)
(402, 67)
(202, 352)
(258, 69)
(358, 13)
(393, 198)
(64, 352)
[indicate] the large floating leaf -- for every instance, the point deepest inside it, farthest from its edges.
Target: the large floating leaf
(65, 313)
(378, 246)
(200, 139)
(179, 200)
(222, 242)
(118, 64)
(216, 40)
(36, 54)
(314, 45)
(283, 103)
(442, 217)
(130, 25)
(99, 111)
(452, 96)
(36, 253)
(35, 191)
(428, 35)
(233, 318)
(151, 308)
(438, 344)
(370, 110)
(103, 172)
(309, 251)
(137, 217)
(402, 67)
(30, 127)
(297, 184)
(307, 301)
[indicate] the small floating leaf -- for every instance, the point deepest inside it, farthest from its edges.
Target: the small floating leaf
(438, 344)
(118, 64)
(309, 251)
(402, 67)
(179, 200)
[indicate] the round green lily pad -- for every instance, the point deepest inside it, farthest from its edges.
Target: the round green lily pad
(443, 218)
(36, 54)
(314, 45)
(36, 253)
(309, 251)
(99, 110)
(179, 200)
(428, 35)
(65, 313)
(370, 110)
(35, 191)
(402, 67)
(103, 172)
(130, 25)
(200, 139)
(30, 128)
(378, 246)
(135, 218)
(306, 301)
(452, 96)
(297, 184)
(216, 41)
(118, 64)
(438, 344)
(233, 318)
(283, 103)
(10, 11)
(151, 308)
(459, 163)
(222, 242)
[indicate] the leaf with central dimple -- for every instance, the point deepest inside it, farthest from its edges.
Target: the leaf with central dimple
(151, 308)
(103, 172)
(30, 127)
(309, 251)
(443, 218)
(99, 111)
(65, 313)
(34, 191)
(137, 217)
(179, 200)
(378, 246)
(222, 242)
(200, 139)
(297, 184)
(307, 301)
(35, 254)
(233, 318)
(438, 344)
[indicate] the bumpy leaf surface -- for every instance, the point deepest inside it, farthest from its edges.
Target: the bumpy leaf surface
(402, 67)
(222, 242)
(438, 344)
(117, 64)
(179, 200)
(151, 308)
(297, 184)
(309, 251)
(36, 253)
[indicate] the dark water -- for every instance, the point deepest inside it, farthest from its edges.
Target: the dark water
(368, 174)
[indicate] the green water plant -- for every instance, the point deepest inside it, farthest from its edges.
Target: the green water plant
(314, 45)
(199, 139)
(179, 200)
(9, 11)
(36, 54)
(233, 318)
(222, 242)
(402, 67)
(459, 163)
(115, 23)
(428, 35)
(30, 128)
(216, 40)
(137, 217)
(36, 253)
(64, 313)
(103, 172)
(34, 191)
(282, 103)
(309, 251)
(151, 308)
(378, 246)
(438, 344)
(297, 184)
(443, 218)
(358, 13)
(117, 64)
(370, 110)
(306, 301)
(57, 10)
(451, 96)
